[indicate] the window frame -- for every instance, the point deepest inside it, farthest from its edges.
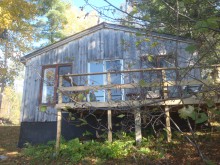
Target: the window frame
(56, 66)
(103, 62)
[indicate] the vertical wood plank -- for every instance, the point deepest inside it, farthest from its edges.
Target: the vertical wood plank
(24, 96)
(167, 112)
(109, 115)
(168, 128)
(138, 133)
(59, 118)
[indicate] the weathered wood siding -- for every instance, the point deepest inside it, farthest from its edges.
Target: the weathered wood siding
(102, 44)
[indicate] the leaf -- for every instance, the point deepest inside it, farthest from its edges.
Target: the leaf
(43, 108)
(87, 91)
(67, 107)
(212, 22)
(121, 116)
(209, 162)
(144, 150)
(139, 34)
(138, 43)
(201, 117)
(217, 112)
(147, 39)
(84, 122)
(142, 83)
(191, 48)
(72, 118)
(187, 112)
(154, 44)
(210, 103)
(150, 58)
(87, 133)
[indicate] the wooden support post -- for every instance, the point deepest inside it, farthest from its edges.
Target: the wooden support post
(168, 128)
(138, 134)
(59, 117)
(109, 125)
(167, 112)
(59, 125)
(109, 115)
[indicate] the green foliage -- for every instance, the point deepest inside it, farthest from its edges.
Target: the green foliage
(142, 83)
(74, 151)
(150, 58)
(11, 105)
(196, 19)
(87, 133)
(121, 116)
(186, 112)
(190, 112)
(191, 48)
(50, 26)
(43, 108)
(210, 103)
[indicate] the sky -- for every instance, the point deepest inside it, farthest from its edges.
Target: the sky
(100, 3)
(80, 3)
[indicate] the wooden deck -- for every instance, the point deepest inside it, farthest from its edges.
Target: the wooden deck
(130, 104)
(135, 105)
(125, 103)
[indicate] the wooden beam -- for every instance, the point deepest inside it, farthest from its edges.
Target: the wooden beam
(59, 117)
(137, 118)
(109, 111)
(132, 103)
(168, 127)
(142, 70)
(101, 87)
(133, 85)
(167, 113)
(59, 125)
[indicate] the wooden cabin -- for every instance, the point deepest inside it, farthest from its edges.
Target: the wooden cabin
(109, 66)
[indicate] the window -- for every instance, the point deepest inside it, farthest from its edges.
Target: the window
(50, 83)
(160, 61)
(103, 66)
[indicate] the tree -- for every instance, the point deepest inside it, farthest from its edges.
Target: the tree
(53, 21)
(17, 34)
(78, 20)
(62, 20)
(11, 105)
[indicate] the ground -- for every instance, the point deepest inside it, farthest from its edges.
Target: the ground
(179, 153)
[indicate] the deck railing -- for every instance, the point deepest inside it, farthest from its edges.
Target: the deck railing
(183, 88)
(163, 84)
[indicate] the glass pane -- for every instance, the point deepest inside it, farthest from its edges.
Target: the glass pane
(48, 85)
(115, 78)
(113, 65)
(62, 70)
(97, 95)
(149, 76)
(168, 62)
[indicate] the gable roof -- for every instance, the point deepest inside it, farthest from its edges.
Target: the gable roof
(103, 25)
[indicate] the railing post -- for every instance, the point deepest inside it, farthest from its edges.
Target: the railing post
(59, 116)
(166, 109)
(109, 115)
(138, 133)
